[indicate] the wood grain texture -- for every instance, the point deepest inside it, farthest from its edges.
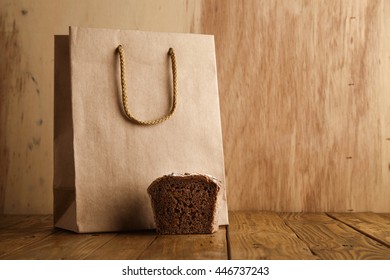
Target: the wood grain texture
(10, 223)
(377, 226)
(25, 126)
(188, 247)
(263, 235)
(330, 239)
(61, 246)
(17, 232)
(126, 246)
(251, 235)
(304, 93)
(33, 237)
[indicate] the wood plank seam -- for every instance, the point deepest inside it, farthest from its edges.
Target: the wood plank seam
(359, 230)
(264, 235)
(150, 244)
(55, 230)
(97, 248)
(297, 235)
(228, 248)
(332, 239)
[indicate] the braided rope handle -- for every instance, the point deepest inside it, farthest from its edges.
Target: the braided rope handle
(128, 114)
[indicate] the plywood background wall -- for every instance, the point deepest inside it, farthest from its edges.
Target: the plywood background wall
(304, 92)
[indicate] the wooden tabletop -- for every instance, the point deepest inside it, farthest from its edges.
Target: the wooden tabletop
(250, 235)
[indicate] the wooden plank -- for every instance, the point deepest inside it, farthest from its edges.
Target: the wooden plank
(377, 226)
(305, 105)
(32, 238)
(124, 246)
(19, 231)
(24, 222)
(62, 245)
(330, 239)
(188, 247)
(11, 221)
(263, 235)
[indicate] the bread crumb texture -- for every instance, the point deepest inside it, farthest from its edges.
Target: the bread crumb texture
(184, 204)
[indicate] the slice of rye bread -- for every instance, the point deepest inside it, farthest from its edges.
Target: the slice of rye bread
(185, 203)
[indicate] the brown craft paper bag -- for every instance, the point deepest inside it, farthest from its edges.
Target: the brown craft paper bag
(103, 162)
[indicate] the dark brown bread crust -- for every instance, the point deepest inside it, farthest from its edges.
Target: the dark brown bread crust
(185, 203)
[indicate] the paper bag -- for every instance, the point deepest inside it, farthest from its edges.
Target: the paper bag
(103, 162)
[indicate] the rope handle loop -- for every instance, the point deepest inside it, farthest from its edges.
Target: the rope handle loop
(125, 104)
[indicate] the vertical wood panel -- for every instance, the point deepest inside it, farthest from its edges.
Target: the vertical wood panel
(305, 103)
